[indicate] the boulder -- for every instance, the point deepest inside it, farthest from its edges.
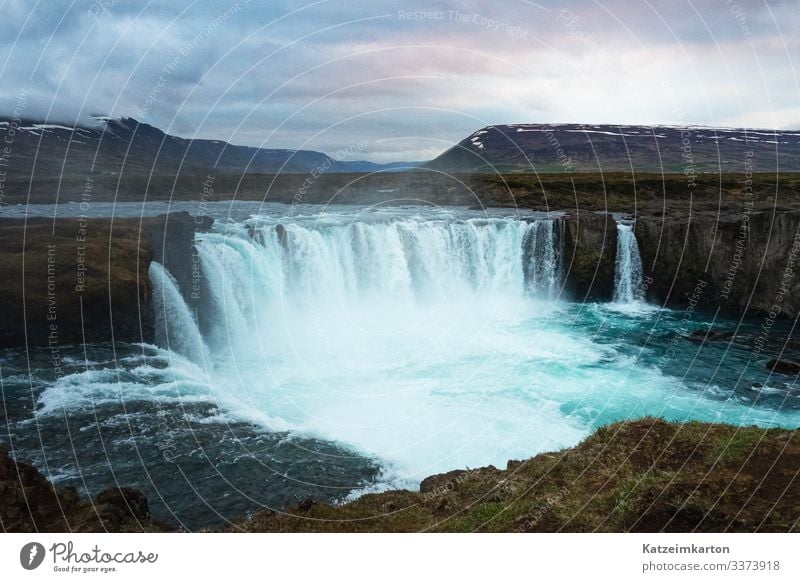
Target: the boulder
(786, 367)
(702, 335)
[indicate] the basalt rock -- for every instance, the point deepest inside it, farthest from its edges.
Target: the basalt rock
(30, 503)
(171, 236)
(69, 281)
(785, 367)
(590, 250)
(125, 501)
(735, 262)
(711, 335)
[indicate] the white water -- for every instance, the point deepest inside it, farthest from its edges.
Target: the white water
(430, 343)
(176, 329)
(628, 271)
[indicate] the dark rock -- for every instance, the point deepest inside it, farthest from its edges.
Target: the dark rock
(129, 501)
(29, 503)
(590, 251)
(280, 230)
(171, 236)
(67, 281)
(733, 262)
(442, 483)
(306, 504)
(786, 367)
(512, 465)
(88, 280)
(702, 335)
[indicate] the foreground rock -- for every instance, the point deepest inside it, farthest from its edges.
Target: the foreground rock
(29, 503)
(646, 476)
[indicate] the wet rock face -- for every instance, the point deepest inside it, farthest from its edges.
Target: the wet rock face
(590, 250)
(125, 502)
(68, 281)
(171, 237)
(735, 262)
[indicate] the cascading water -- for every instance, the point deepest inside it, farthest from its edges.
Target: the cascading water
(176, 329)
(402, 336)
(628, 271)
(407, 262)
(544, 247)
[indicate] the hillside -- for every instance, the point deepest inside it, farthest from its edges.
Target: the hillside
(621, 148)
(128, 148)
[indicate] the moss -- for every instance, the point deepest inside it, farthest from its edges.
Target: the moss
(645, 193)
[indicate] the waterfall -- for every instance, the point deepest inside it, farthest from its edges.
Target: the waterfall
(254, 273)
(406, 261)
(544, 242)
(628, 269)
(176, 329)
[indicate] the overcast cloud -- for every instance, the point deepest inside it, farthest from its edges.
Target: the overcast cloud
(329, 74)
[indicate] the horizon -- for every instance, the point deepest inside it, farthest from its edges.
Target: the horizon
(409, 82)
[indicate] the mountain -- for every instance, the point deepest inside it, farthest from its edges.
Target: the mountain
(49, 151)
(621, 148)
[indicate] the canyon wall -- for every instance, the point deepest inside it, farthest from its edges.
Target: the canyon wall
(731, 262)
(590, 250)
(727, 261)
(71, 280)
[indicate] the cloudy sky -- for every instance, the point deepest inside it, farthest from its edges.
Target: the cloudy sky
(403, 79)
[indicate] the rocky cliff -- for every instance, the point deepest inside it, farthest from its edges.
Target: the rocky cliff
(736, 263)
(71, 280)
(590, 251)
(728, 261)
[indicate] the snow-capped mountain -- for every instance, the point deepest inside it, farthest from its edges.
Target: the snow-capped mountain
(128, 147)
(622, 148)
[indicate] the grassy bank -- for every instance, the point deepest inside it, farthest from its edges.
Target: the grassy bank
(645, 475)
(623, 192)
